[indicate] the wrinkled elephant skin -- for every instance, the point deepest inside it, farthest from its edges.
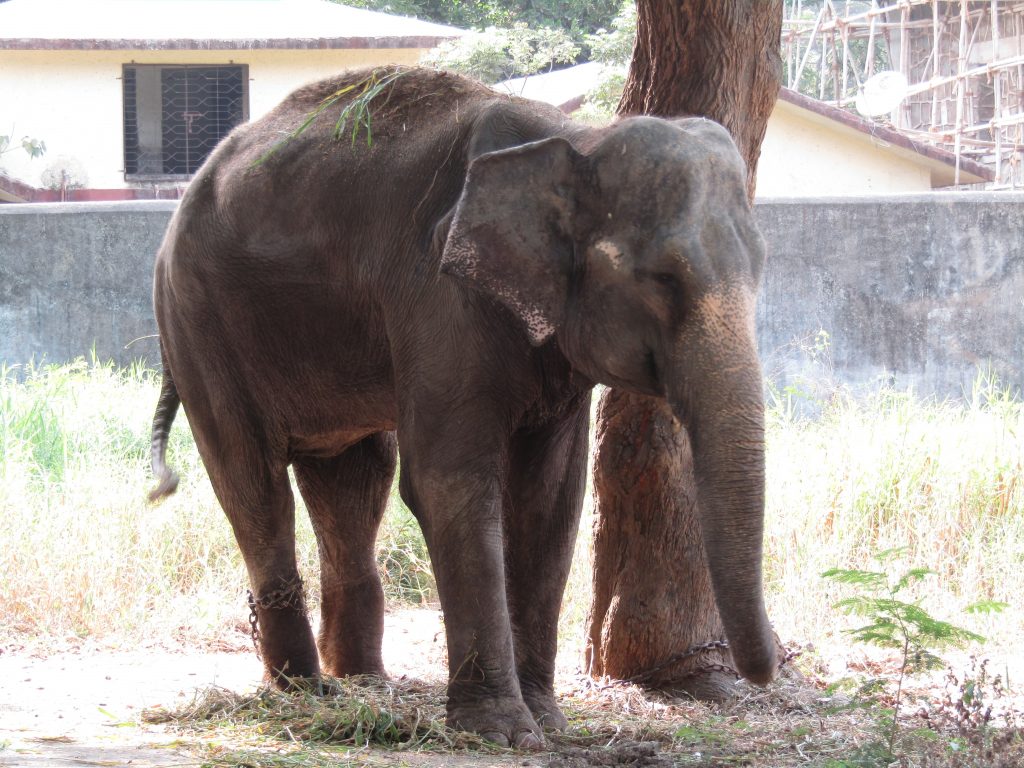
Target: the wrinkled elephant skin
(452, 292)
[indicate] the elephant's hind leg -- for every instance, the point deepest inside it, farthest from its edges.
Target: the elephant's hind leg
(261, 510)
(346, 497)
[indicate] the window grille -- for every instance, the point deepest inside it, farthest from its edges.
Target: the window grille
(175, 115)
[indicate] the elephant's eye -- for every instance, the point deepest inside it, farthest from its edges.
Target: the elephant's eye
(665, 278)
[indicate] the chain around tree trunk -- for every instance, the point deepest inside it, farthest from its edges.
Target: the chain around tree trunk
(785, 657)
(693, 650)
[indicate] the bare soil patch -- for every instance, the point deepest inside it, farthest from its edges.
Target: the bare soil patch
(88, 706)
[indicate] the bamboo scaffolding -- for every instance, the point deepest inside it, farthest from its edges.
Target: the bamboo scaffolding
(973, 109)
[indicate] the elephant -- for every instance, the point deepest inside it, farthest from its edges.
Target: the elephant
(450, 288)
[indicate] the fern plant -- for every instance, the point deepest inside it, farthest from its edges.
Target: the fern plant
(896, 621)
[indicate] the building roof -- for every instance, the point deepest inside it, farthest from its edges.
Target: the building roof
(207, 25)
(566, 89)
(941, 163)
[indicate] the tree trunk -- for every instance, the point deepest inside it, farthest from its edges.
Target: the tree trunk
(653, 604)
(714, 58)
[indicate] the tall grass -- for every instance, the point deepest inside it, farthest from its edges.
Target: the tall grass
(83, 556)
(943, 479)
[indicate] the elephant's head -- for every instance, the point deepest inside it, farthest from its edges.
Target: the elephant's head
(640, 256)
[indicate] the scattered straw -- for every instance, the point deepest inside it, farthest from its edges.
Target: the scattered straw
(795, 722)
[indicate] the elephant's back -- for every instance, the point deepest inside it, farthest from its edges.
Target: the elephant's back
(347, 122)
(382, 184)
(297, 255)
(398, 92)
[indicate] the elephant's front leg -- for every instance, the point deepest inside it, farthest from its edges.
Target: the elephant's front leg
(546, 484)
(452, 484)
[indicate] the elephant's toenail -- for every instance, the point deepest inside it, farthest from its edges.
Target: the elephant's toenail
(528, 740)
(496, 736)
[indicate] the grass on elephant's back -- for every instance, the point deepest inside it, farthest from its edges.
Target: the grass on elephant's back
(83, 555)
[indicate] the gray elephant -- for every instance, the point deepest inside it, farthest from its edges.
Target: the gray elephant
(452, 292)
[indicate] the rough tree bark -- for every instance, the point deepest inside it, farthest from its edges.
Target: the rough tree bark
(652, 592)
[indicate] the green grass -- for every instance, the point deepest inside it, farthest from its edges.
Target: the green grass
(84, 556)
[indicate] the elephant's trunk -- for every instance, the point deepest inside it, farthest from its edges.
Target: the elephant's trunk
(722, 406)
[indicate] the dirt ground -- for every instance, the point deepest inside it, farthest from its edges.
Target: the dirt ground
(84, 707)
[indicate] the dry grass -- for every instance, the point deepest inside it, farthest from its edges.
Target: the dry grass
(943, 480)
(796, 722)
(84, 557)
(606, 721)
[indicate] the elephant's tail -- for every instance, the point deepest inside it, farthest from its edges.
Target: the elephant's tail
(166, 410)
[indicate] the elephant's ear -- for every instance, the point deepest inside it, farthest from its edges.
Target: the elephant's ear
(511, 233)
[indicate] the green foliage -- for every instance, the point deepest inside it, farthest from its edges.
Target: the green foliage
(32, 147)
(576, 17)
(357, 110)
(35, 430)
(894, 623)
(613, 48)
(899, 625)
(497, 54)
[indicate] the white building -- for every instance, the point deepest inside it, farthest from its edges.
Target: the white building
(810, 148)
(130, 97)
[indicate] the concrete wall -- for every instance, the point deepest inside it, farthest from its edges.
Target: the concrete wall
(77, 274)
(918, 291)
(914, 291)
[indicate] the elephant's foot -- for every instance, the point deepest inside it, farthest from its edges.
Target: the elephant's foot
(282, 634)
(505, 721)
(290, 666)
(337, 666)
(545, 710)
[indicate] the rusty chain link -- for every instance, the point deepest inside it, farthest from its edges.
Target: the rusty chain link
(693, 650)
(288, 596)
(254, 623)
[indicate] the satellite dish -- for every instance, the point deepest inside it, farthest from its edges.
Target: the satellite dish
(881, 94)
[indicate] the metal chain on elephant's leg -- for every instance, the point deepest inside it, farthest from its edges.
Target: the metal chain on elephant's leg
(254, 623)
(290, 595)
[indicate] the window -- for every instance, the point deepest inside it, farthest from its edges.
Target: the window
(175, 115)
